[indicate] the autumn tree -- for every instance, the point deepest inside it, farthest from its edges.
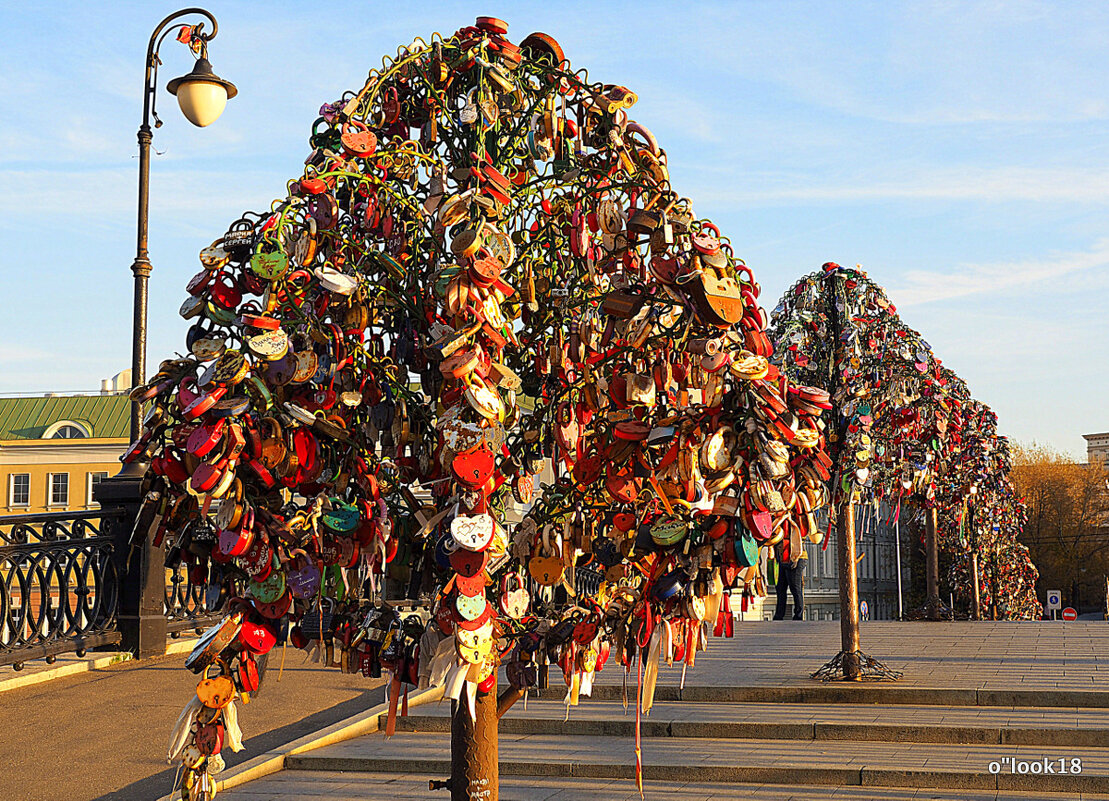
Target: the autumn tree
(1068, 521)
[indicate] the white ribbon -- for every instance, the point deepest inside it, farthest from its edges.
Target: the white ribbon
(183, 728)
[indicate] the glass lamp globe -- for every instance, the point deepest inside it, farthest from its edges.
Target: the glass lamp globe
(202, 94)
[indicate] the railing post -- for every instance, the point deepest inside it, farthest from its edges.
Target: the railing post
(142, 575)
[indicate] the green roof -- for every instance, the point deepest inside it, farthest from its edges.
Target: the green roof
(28, 418)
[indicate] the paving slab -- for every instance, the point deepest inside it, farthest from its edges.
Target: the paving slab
(988, 655)
(37, 671)
(1022, 680)
(102, 734)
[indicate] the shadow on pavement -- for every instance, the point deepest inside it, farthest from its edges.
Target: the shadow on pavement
(158, 785)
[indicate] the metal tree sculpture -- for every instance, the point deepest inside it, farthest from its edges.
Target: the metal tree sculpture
(901, 417)
(482, 277)
(981, 519)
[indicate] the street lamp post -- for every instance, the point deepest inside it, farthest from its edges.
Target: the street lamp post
(201, 95)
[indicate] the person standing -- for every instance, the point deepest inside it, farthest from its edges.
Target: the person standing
(791, 576)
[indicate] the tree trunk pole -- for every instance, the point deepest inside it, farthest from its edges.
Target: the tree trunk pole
(897, 553)
(474, 760)
(932, 562)
(994, 589)
(974, 563)
(977, 590)
(848, 592)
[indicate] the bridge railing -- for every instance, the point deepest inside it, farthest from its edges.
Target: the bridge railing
(70, 582)
(59, 586)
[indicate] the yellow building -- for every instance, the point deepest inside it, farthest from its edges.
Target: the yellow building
(55, 448)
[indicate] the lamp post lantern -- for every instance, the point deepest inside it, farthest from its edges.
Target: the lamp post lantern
(202, 96)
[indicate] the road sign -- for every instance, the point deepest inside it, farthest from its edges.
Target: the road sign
(864, 610)
(1070, 614)
(1054, 600)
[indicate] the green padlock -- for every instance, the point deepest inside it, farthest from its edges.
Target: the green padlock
(272, 588)
(271, 265)
(342, 517)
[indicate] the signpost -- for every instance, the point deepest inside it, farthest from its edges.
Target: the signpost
(1054, 602)
(1070, 614)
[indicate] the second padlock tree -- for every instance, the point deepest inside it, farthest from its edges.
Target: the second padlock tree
(908, 429)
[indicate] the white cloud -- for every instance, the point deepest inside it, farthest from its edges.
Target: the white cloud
(21, 353)
(990, 184)
(926, 286)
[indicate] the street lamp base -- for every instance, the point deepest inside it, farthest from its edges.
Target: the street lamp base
(135, 470)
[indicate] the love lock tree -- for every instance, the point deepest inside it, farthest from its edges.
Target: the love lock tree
(481, 278)
(836, 329)
(962, 482)
(923, 436)
(980, 522)
(900, 420)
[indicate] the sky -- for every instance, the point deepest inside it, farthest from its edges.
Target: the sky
(957, 151)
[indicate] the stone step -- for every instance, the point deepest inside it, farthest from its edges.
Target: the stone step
(610, 688)
(670, 760)
(341, 786)
(768, 721)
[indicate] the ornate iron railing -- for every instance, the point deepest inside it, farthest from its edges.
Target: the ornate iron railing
(185, 605)
(59, 587)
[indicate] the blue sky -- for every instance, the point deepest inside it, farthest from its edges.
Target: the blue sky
(958, 151)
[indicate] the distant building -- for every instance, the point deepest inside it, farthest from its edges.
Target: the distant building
(1097, 447)
(54, 449)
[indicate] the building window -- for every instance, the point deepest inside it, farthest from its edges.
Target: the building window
(19, 489)
(65, 429)
(59, 489)
(94, 479)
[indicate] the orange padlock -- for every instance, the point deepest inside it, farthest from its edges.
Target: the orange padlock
(218, 692)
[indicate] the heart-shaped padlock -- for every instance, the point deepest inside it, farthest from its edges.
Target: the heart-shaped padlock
(467, 563)
(303, 577)
(546, 570)
(270, 345)
(474, 467)
(270, 589)
(271, 265)
(514, 597)
(217, 692)
(358, 139)
(470, 607)
(342, 517)
(473, 532)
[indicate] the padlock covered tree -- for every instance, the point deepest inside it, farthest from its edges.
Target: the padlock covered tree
(483, 356)
(904, 421)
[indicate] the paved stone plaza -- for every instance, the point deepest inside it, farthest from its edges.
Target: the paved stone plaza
(752, 725)
(981, 655)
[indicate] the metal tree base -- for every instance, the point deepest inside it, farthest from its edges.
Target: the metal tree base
(870, 669)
